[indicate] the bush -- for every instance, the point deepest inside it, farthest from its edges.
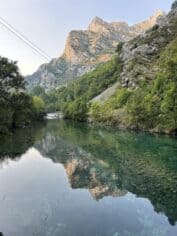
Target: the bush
(38, 108)
(76, 110)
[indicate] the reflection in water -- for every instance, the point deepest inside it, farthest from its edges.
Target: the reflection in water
(107, 163)
(112, 163)
(16, 144)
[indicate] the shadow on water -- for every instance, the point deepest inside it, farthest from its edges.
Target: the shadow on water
(107, 162)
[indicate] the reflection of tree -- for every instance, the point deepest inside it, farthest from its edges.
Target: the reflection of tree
(16, 144)
(111, 163)
(1, 234)
(105, 162)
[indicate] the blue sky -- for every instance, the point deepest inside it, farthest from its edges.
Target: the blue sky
(47, 23)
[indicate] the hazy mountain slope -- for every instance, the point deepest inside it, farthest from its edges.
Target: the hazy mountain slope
(86, 49)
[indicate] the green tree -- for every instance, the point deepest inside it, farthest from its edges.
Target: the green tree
(10, 78)
(16, 106)
(38, 107)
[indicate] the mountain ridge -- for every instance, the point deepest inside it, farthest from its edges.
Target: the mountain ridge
(86, 49)
(136, 89)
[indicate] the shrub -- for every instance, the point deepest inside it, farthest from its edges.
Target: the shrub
(38, 107)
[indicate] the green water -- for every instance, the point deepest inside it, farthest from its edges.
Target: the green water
(70, 179)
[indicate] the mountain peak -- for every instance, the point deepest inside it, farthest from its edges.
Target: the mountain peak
(97, 24)
(147, 24)
(97, 20)
(85, 49)
(157, 14)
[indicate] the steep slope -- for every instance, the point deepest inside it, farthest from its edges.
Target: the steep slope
(147, 96)
(137, 89)
(86, 49)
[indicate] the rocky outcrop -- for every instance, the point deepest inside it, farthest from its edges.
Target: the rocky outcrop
(56, 73)
(86, 49)
(147, 24)
(139, 55)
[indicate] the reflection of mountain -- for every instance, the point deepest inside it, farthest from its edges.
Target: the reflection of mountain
(107, 163)
(82, 169)
(94, 176)
(110, 163)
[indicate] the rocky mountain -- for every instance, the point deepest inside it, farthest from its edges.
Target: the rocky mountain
(136, 89)
(86, 49)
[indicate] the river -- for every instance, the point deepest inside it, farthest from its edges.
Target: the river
(71, 179)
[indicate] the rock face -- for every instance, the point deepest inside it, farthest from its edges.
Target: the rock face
(85, 49)
(139, 55)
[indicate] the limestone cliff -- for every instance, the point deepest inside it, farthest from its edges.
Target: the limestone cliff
(85, 49)
(139, 56)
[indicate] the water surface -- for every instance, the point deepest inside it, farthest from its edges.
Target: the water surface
(70, 179)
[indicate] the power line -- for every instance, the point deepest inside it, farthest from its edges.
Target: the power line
(24, 39)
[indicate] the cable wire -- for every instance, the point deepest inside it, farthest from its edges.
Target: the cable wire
(24, 39)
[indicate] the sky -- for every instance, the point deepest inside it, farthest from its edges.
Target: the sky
(47, 23)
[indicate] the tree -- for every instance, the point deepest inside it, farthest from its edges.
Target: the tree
(21, 107)
(38, 91)
(76, 110)
(10, 79)
(38, 107)
(16, 106)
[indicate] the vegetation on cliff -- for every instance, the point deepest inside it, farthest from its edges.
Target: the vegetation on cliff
(147, 96)
(152, 106)
(145, 71)
(73, 99)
